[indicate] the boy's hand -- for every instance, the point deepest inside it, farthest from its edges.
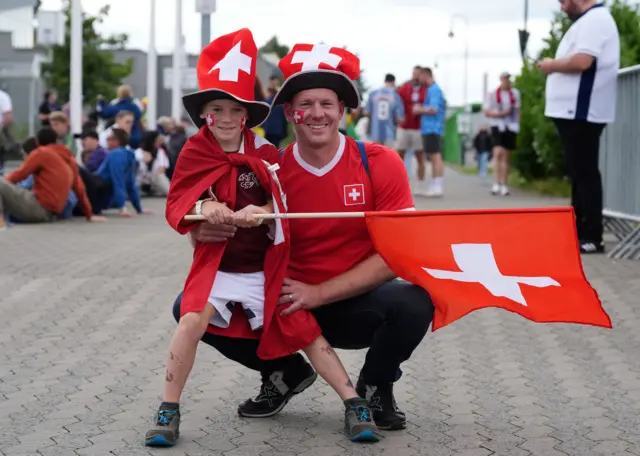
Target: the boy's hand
(244, 218)
(217, 213)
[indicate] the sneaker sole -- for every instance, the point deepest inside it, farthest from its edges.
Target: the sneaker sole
(160, 441)
(366, 436)
(306, 383)
(393, 426)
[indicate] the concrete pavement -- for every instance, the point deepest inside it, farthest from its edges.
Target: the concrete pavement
(86, 322)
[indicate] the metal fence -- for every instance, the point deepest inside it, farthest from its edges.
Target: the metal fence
(620, 166)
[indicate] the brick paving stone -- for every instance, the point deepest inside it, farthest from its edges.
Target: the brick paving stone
(87, 318)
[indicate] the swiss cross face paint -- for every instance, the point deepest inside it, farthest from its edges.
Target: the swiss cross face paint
(243, 122)
(298, 116)
(210, 119)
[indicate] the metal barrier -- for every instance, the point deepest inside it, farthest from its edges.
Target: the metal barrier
(620, 167)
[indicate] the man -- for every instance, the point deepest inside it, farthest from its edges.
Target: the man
(352, 294)
(502, 107)
(48, 105)
(384, 110)
(409, 138)
(55, 175)
(433, 112)
(581, 100)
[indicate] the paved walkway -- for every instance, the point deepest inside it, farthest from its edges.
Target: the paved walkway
(86, 322)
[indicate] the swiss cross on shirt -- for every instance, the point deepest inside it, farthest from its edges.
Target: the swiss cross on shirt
(353, 194)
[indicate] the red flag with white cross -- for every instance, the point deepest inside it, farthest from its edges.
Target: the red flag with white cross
(526, 261)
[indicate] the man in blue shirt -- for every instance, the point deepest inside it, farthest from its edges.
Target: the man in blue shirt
(385, 110)
(432, 120)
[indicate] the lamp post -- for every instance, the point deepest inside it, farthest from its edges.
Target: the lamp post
(176, 74)
(152, 71)
(524, 33)
(466, 53)
(75, 77)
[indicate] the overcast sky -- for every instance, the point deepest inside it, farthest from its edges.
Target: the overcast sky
(388, 35)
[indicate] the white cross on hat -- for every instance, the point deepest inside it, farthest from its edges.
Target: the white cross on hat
(311, 60)
(232, 64)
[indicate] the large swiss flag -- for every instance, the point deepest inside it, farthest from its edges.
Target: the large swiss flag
(523, 260)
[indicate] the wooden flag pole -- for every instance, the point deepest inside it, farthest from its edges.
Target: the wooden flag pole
(299, 215)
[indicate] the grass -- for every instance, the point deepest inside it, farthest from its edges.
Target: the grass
(551, 186)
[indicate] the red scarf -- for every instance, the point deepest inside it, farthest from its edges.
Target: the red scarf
(512, 97)
(201, 164)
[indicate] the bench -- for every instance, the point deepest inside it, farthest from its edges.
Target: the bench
(626, 228)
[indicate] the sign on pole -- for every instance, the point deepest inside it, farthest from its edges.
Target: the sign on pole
(205, 6)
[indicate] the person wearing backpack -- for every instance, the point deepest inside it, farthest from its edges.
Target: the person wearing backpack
(334, 270)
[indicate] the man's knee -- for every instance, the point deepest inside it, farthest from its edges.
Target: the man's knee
(176, 307)
(416, 305)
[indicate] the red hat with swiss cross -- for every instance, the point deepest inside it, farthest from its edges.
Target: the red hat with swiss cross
(320, 66)
(227, 70)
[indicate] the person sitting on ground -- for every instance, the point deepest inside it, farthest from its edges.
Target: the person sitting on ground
(93, 154)
(59, 122)
(54, 177)
(153, 164)
(118, 172)
(236, 168)
(124, 102)
(124, 120)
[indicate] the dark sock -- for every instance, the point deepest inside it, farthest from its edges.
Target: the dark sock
(355, 401)
(170, 406)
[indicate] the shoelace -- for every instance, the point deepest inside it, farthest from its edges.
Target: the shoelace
(165, 417)
(363, 413)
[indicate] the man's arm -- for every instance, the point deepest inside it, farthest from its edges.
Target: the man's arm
(360, 279)
(576, 63)
(29, 166)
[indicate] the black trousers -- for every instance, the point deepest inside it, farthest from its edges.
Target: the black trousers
(581, 142)
(391, 320)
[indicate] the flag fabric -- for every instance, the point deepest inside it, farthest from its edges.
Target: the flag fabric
(526, 261)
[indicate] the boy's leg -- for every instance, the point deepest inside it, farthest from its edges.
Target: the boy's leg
(182, 354)
(358, 420)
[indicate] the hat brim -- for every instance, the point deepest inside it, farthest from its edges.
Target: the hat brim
(344, 87)
(258, 111)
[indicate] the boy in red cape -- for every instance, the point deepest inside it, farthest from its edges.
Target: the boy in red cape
(234, 286)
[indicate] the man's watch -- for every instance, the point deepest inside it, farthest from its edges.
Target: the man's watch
(199, 207)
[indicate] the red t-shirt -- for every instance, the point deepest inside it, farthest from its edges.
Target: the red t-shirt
(411, 94)
(325, 248)
(246, 250)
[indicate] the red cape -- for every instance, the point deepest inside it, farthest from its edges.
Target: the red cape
(201, 164)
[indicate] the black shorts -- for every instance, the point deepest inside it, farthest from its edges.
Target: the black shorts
(432, 143)
(506, 139)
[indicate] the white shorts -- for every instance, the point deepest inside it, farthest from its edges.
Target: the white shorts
(409, 140)
(233, 288)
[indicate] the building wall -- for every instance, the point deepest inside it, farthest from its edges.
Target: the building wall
(18, 22)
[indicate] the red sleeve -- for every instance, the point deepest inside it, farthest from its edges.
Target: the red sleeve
(391, 189)
(402, 92)
(267, 151)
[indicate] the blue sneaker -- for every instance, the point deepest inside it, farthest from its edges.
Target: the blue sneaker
(166, 430)
(358, 421)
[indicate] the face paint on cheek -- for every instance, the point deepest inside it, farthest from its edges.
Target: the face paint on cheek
(243, 122)
(298, 116)
(211, 121)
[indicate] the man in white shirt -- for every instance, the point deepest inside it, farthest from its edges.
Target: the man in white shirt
(6, 119)
(581, 100)
(502, 108)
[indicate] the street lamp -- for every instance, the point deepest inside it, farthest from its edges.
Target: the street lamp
(466, 52)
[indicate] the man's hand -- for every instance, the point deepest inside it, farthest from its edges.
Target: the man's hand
(97, 218)
(217, 213)
(546, 66)
(244, 218)
(299, 295)
(207, 232)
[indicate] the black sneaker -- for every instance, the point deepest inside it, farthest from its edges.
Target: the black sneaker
(277, 390)
(166, 430)
(358, 422)
(383, 405)
(591, 247)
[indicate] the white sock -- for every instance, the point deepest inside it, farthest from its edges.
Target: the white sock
(438, 181)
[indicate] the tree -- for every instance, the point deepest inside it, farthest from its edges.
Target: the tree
(100, 73)
(539, 153)
(274, 46)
